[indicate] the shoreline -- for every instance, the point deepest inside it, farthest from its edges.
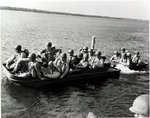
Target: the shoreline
(63, 13)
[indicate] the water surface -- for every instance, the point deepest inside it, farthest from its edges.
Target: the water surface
(111, 98)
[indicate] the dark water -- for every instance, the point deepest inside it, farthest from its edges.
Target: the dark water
(111, 98)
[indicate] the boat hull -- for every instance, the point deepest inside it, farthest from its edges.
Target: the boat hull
(78, 76)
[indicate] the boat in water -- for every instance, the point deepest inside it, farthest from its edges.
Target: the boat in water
(126, 70)
(75, 76)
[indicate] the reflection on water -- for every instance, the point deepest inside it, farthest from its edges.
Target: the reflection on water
(111, 98)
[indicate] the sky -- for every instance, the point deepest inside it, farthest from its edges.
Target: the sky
(136, 9)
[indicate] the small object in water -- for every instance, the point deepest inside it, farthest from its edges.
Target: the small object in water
(91, 115)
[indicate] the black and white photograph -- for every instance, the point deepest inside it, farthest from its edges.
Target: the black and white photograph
(74, 58)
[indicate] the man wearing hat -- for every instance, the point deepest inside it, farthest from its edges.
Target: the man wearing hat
(11, 62)
(115, 58)
(136, 58)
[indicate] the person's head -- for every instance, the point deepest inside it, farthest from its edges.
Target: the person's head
(26, 52)
(141, 106)
(49, 45)
(63, 56)
(32, 56)
(70, 52)
(123, 50)
(98, 54)
(136, 53)
(74, 59)
(104, 58)
(80, 56)
(18, 48)
(85, 49)
(116, 53)
(85, 57)
(91, 52)
(128, 55)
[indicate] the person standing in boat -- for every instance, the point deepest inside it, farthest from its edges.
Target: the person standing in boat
(60, 65)
(11, 62)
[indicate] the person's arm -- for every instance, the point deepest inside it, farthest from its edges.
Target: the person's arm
(85, 65)
(10, 60)
(112, 58)
(139, 59)
(66, 70)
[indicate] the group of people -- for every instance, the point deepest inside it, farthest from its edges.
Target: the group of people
(54, 60)
(125, 58)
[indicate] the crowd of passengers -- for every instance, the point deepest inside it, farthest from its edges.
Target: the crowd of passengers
(56, 61)
(125, 58)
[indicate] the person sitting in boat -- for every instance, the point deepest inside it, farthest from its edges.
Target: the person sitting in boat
(72, 59)
(107, 64)
(49, 54)
(115, 58)
(123, 59)
(129, 60)
(60, 65)
(79, 58)
(126, 60)
(136, 58)
(33, 67)
(98, 61)
(136, 62)
(71, 54)
(11, 62)
(85, 50)
(84, 63)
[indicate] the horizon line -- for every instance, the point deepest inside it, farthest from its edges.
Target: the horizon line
(63, 13)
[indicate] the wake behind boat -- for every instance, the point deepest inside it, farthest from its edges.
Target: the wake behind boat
(79, 76)
(125, 70)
